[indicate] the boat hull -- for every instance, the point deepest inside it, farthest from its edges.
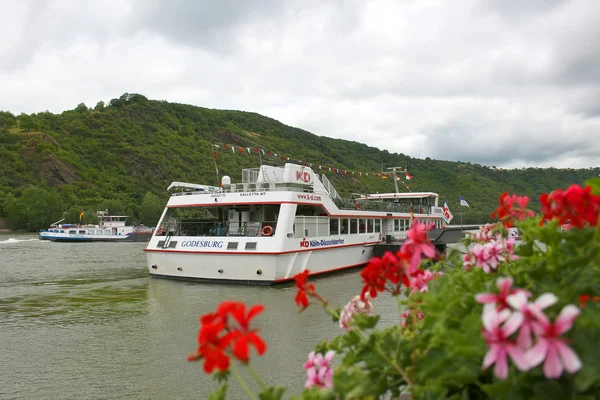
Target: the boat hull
(251, 269)
(135, 237)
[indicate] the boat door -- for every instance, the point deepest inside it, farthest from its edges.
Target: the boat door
(114, 231)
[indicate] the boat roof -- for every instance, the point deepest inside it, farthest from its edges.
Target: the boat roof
(410, 195)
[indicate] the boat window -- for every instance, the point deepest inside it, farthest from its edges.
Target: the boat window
(311, 226)
(230, 220)
(370, 225)
(310, 211)
(377, 225)
(396, 224)
(362, 226)
(334, 225)
(344, 226)
(353, 225)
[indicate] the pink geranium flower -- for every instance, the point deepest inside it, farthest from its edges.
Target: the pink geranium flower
(419, 281)
(318, 370)
(418, 243)
(518, 301)
(497, 337)
(510, 249)
(551, 348)
(500, 299)
(495, 254)
(480, 257)
(355, 306)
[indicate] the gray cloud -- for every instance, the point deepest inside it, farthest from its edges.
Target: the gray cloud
(505, 83)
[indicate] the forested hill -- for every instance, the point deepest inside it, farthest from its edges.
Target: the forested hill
(118, 153)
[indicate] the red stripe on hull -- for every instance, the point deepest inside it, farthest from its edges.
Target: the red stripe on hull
(233, 252)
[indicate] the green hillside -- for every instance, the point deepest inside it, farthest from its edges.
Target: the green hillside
(123, 155)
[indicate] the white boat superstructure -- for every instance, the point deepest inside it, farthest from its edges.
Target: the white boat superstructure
(276, 223)
(110, 228)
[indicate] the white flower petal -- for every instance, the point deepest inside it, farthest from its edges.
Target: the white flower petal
(545, 300)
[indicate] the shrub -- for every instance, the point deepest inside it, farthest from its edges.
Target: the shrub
(492, 319)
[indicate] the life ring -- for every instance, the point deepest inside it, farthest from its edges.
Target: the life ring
(357, 206)
(160, 231)
(267, 230)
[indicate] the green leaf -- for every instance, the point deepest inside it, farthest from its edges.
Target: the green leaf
(364, 322)
(272, 393)
(218, 394)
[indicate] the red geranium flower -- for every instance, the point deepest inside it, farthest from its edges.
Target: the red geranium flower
(508, 213)
(216, 336)
(244, 336)
(575, 205)
(304, 287)
(372, 276)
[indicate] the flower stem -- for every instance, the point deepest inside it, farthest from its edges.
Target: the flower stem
(256, 377)
(241, 382)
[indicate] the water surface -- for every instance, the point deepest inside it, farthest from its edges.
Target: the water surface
(86, 321)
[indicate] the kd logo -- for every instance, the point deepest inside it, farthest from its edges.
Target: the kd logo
(304, 243)
(303, 176)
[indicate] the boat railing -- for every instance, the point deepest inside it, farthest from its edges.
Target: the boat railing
(258, 187)
(329, 187)
(376, 205)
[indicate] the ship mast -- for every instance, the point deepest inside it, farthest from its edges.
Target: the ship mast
(393, 169)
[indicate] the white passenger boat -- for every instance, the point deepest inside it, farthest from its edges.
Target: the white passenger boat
(276, 223)
(110, 228)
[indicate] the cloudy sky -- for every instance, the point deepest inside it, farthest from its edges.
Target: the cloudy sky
(506, 83)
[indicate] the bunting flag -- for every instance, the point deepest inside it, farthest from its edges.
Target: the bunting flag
(267, 153)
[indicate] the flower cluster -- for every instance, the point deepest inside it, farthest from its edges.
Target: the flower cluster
(219, 335)
(576, 206)
(355, 306)
(490, 254)
(537, 339)
(318, 370)
(485, 234)
(401, 268)
(512, 208)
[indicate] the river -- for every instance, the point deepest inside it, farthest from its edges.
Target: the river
(86, 321)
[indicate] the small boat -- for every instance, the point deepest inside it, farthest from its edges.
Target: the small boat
(110, 228)
(277, 222)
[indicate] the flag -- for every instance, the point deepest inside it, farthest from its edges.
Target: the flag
(80, 214)
(408, 177)
(447, 214)
(463, 202)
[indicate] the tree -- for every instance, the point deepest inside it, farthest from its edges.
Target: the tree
(81, 108)
(151, 209)
(36, 209)
(26, 122)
